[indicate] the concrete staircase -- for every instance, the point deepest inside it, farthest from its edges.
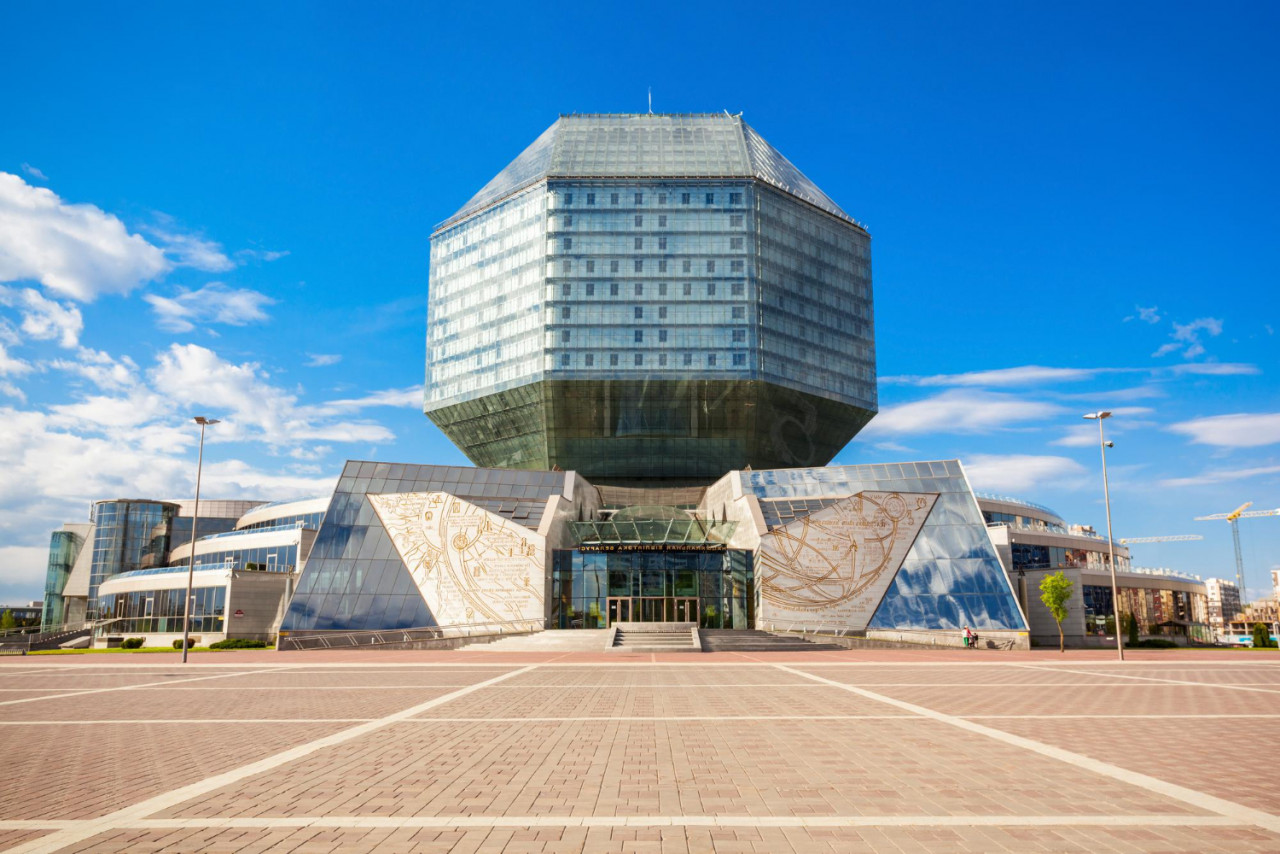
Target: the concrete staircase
(754, 640)
(655, 637)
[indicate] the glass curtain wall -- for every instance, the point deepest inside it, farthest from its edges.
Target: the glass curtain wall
(161, 610)
(64, 548)
(128, 535)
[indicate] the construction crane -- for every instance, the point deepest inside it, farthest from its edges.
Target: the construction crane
(1176, 538)
(1233, 517)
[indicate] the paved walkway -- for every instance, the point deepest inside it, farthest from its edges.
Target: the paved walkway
(580, 752)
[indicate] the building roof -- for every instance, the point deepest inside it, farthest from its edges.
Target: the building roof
(649, 145)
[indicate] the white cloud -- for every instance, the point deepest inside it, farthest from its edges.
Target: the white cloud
(321, 360)
(78, 251)
(34, 172)
(24, 567)
(100, 368)
(410, 398)
(189, 250)
(213, 303)
(1020, 472)
(958, 411)
(43, 318)
(245, 255)
(1146, 315)
(1003, 377)
(1216, 369)
(1186, 337)
(1238, 430)
(1220, 476)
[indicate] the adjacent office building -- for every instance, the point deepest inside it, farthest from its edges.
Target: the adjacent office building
(1223, 603)
(651, 334)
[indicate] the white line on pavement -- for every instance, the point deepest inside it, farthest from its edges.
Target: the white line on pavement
(1201, 800)
(119, 688)
(1233, 686)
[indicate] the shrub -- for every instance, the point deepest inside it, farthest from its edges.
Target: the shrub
(1131, 628)
(132, 643)
(1261, 636)
(1155, 643)
(178, 643)
(239, 643)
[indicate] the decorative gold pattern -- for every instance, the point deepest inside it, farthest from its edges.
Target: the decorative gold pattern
(470, 565)
(836, 563)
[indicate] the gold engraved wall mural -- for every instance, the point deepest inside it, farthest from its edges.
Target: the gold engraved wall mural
(471, 565)
(834, 565)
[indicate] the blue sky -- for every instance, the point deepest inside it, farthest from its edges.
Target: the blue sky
(226, 211)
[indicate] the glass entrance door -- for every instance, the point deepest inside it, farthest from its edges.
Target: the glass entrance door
(619, 611)
(652, 609)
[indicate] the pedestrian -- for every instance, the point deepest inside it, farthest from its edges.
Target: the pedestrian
(969, 637)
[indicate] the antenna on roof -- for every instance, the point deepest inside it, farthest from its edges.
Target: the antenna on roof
(651, 100)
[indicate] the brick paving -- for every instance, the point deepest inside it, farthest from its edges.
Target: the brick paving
(518, 752)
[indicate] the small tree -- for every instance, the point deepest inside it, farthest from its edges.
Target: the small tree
(1131, 629)
(1055, 590)
(1261, 635)
(7, 621)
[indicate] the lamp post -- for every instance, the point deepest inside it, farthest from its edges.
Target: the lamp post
(195, 523)
(1100, 416)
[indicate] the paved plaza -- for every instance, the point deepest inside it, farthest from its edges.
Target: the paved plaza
(578, 752)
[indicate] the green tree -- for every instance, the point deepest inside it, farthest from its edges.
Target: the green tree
(1261, 635)
(1131, 629)
(7, 621)
(1055, 590)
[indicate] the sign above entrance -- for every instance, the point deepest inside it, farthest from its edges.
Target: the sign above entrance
(651, 547)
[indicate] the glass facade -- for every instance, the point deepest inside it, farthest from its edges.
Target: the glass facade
(64, 548)
(593, 590)
(301, 520)
(1186, 610)
(354, 577)
(161, 610)
(951, 577)
(707, 307)
(128, 535)
(1030, 556)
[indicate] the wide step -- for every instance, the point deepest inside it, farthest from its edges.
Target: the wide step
(754, 640)
(654, 637)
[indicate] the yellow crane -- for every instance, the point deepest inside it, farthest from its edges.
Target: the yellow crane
(1232, 518)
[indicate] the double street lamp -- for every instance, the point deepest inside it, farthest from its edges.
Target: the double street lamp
(1101, 416)
(195, 523)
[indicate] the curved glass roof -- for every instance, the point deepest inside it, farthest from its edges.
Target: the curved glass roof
(646, 145)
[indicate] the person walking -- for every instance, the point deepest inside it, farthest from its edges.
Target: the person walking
(969, 638)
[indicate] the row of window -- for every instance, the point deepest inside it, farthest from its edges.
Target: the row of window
(738, 360)
(736, 289)
(735, 243)
(735, 198)
(735, 221)
(739, 335)
(637, 264)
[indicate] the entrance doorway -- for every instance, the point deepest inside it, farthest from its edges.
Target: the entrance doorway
(653, 609)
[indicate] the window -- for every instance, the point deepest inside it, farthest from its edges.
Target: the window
(662, 312)
(662, 266)
(662, 243)
(711, 266)
(566, 289)
(735, 242)
(735, 198)
(662, 289)
(613, 198)
(613, 266)
(639, 220)
(568, 222)
(639, 198)
(662, 336)
(613, 289)
(639, 265)
(688, 289)
(711, 198)
(662, 198)
(688, 358)
(711, 289)
(711, 360)
(613, 360)
(739, 360)
(591, 266)
(736, 266)
(662, 360)
(639, 289)
(568, 243)
(688, 266)
(639, 359)
(568, 198)
(591, 198)
(565, 311)
(639, 243)
(739, 313)
(591, 289)
(566, 266)
(739, 336)
(662, 220)
(591, 359)
(564, 336)
(639, 312)
(738, 288)
(639, 336)
(684, 198)
(564, 360)
(735, 220)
